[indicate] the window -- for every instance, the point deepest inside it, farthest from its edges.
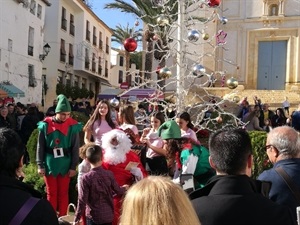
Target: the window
(120, 76)
(87, 59)
(10, 45)
(62, 51)
(99, 66)
(31, 77)
(63, 19)
(106, 68)
(71, 55)
(76, 81)
(83, 84)
(94, 36)
(94, 63)
(30, 40)
(88, 33)
(100, 41)
(32, 6)
(59, 77)
(273, 10)
(107, 46)
(72, 26)
(39, 11)
(121, 61)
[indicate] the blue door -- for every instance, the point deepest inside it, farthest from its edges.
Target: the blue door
(271, 74)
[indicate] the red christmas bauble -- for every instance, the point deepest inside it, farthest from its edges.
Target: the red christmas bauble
(214, 3)
(130, 44)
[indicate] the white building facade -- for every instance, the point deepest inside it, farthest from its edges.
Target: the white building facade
(21, 44)
(80, 49)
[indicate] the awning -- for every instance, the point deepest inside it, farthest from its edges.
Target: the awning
(3, 94)
(12, 90)
(143, 94)
(110, 93)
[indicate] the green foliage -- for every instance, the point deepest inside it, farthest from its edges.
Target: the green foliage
(260, 163)
(74, 92)
(84, 93)
(32, 177)
(60, 89)
(31, 146)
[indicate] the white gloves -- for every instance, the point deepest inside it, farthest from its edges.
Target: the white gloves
(135, 171)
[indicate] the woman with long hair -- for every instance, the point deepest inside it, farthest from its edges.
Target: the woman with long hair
(99, 123)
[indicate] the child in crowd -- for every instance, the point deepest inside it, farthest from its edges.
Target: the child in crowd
(83, 168)
(96, 189)
(155, 156)
(184, 122)
(268, 125)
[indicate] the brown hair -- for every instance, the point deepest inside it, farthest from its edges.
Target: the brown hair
(127, 114)
(96, 116)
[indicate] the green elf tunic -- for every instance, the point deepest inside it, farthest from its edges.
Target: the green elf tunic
(53, 134)
(203, 170)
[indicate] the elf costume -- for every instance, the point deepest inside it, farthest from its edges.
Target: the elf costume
(189, 151)
(58, 153)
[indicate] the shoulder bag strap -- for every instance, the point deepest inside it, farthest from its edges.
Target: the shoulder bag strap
(289, 183)
(23, 211)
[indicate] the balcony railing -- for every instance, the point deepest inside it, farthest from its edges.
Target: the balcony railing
(62, 57)
(72, 29)
(88, 35)
(94, 66)
(71, 60)
(94, 40)
(30, 50)
(64, 24)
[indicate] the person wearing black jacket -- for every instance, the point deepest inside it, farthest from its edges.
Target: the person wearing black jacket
(232, 197)
(13, 192)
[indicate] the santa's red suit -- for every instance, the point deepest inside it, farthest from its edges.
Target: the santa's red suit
(117, 156)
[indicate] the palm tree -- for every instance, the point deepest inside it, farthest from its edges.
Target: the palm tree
(149, 14)
(120, 34)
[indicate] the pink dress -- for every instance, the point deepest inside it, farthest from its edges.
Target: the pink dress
(100, 129)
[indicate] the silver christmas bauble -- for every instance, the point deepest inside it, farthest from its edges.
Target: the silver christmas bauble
(162, 20)
(224, 20)
(193, 35)
(236, 99)
(232, 83)
(165, 73)
(198, 70)
(114, 102)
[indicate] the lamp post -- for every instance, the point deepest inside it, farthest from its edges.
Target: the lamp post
(46, 50)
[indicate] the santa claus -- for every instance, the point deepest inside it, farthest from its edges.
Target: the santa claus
(124, 163)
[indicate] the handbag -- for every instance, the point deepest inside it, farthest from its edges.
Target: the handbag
(70, 217)
(24, 211)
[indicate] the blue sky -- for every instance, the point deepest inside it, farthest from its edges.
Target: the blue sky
(112, 17)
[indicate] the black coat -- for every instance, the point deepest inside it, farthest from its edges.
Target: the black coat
(237, 200)
(13, 194)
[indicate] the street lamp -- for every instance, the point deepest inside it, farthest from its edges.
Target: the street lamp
(46, 50)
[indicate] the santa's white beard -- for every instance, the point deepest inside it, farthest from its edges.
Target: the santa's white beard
(115, 154)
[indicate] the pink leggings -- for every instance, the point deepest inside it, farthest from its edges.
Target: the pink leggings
(58, 192)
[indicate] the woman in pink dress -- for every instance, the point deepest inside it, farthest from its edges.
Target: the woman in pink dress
(99, 123)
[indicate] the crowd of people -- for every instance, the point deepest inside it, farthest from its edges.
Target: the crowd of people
(179, 182)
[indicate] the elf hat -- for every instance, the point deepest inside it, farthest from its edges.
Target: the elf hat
(63, 104)
(169, 130)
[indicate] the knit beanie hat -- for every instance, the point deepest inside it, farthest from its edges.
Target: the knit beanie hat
(63, 104)
(169, 130)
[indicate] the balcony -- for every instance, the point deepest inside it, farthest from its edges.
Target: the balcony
(88, 35)
(72, 29)
(94, 40)
(87, 64)
(100, 44)
(30, 50)
(64, 24)
(62, 57)
(94, 66)
(106, 72)
(71, 60)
